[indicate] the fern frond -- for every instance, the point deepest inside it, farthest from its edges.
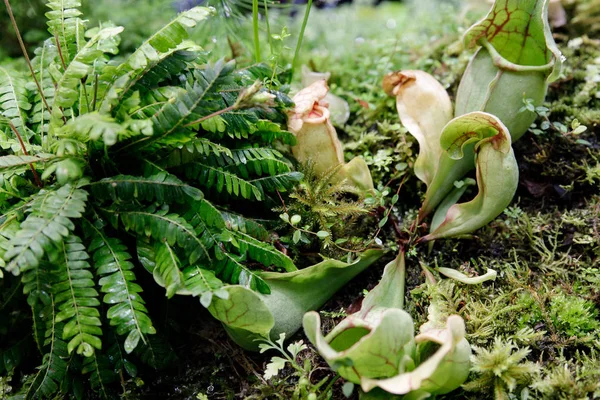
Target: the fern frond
(199, 91)
(37, 285)
(54, 368)
(210, 176)
(47, 225)
(264, 253)
(162, 226)
(66, 26)
(280, 182)
(167, 272)
(163, 42)
(192, 151)
(11, 162)
(269, 132)
(237, 222)
(157, 353)
(76, 298)
(44, 67)
(231, 269)
(94, 126)
(14, 100)
(200, 282)
(252, 160)
(161, 187)
(101, 373)
(127, 312)
(66, 93)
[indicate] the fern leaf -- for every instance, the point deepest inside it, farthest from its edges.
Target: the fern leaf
(163, 41)
(12, 162)
(157, 353)
(280, 182)
(193, 150)
(54, 368)
(44, 63)
(161, 187)
(47, 225)
(231, 270)
(66, 93)
(14, 100)
(236, 222)
(94, 126)
(200, 282)
(101, 373)
(167, 272)
(162, 226)
(262, 252)
(269, 132)
(127, 312)
(66, 26)
(221, 180)
(253, 160)
(76, 298)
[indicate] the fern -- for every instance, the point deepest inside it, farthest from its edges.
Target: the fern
(211, 176)
(14, 100)
(47, 225)
(66, 93)
(262, 252)
(162, 226)
(15, 163)
(167, 271)
(66, 26)
(193, 150)
(76, 298)
(50, 375)
(127, 311)
(203, 283)
(162, 187)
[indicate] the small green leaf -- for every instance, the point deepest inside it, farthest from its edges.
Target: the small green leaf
(347, 389)
(295, 219)
(132, 341)
(322, 234)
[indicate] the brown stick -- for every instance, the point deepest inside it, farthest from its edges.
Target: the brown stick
(24, 50)
(35, 174)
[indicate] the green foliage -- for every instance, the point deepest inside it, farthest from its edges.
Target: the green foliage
(501, 369)
(123, 156)
(573, 315)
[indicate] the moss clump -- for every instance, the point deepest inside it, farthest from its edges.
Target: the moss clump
(573, 315)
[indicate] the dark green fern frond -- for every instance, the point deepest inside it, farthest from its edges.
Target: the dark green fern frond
(127, 312)
(46, 226)
(193, 150)
(162, 187)
(101, 373)
(262, 252)
(162, 226)
(76, 298)
(12, 163)
(231, 269)
(37, 285)
(237, 222)
(47, 381)
(281, 182)
(44, 66)
(221, 180)
(157, 353)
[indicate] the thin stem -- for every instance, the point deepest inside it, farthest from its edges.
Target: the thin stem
(95, 93)
(268, 27)
(402, 274)
(223, 111)
(60, 53)
(24, 50)
(35, 174)
(301, 36)
(255, 25)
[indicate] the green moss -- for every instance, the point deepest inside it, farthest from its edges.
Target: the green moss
(573, 316)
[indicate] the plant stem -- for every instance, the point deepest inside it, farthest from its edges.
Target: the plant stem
(255, 24)
(223, 111)
(301, 36)
(35, 174)
(268, 27)
(24, 50)
(402, 273)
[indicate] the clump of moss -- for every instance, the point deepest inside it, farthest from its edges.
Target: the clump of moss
(573, 315)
